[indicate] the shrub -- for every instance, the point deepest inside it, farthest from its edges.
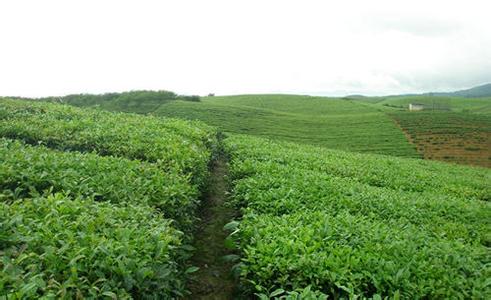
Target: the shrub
(33, 171)
(174, 145)
(353, 226)
(57, 247)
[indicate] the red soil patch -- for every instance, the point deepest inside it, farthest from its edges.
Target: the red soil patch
(449, 137)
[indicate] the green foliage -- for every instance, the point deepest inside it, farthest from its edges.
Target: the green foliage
(412, 175)
(354, 225)
(134, 101)
(57, 247)
(172, 144)
(142, 102)
(126, 188)
(28, 171)
(193, 98)
(329, 122)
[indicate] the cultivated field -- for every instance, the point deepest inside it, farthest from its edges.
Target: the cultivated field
(326, 223)
(96, 204)
(457, 137)
(329, 122)
(451, 129)
(457, 130)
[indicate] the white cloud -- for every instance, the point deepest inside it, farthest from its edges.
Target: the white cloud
(194, 47)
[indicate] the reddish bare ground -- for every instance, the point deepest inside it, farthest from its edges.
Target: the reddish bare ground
(450, 137)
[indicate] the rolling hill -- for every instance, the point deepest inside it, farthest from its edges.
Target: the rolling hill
(457, 129)
(474, 92)
(330, 122)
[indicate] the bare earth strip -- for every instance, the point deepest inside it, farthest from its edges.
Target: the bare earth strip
(213, 280)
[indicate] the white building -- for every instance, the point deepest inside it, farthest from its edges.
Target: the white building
(416, 106)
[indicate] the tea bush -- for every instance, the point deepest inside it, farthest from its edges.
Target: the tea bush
(353, 225)
(28, 171)
(58, 247)
(172, 144)
(96, 204)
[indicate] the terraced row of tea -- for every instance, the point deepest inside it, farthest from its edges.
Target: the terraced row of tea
(352, 225)
(97, 204)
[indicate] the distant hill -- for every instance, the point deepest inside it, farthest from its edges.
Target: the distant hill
(480, 91)
(475, 92)
(134, 101)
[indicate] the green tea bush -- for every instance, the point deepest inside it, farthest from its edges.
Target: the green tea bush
(352, 225)
(172, 144)
(290, 190)
(414, 175)
(58, 247)
(95, 204)
(28, 171)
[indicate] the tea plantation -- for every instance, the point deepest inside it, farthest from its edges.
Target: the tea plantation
(321, 223)
(97, 204)
(330, 122)
(457, 137)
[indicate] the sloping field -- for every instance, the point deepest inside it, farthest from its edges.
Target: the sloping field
(95, 204)
(333, 123)
(451, 129)
(457, 137)
(457, 104)
(319, 222)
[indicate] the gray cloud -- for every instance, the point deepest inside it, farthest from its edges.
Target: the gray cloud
(426, 26)
(369, 47)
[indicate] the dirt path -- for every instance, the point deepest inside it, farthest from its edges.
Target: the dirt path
(213, 280)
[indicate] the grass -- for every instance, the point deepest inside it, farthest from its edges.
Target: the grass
(213, 280)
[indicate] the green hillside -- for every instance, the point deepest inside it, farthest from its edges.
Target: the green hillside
(380, 125)
(330, 122)
(457, 104)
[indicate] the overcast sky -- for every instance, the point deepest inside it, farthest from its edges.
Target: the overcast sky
(229, 47)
